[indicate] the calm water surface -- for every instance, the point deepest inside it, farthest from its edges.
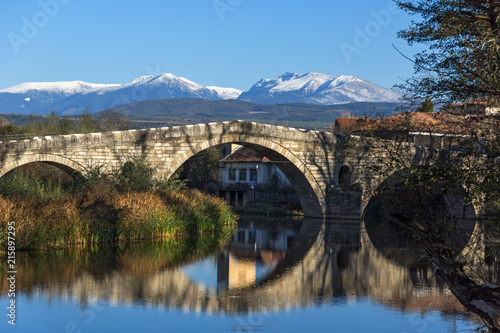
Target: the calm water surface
(279, 275)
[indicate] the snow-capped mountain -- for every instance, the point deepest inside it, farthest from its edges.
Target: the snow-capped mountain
(317, 88)
(65, 87)
(72, 97)
(226, 93)
(37, 97)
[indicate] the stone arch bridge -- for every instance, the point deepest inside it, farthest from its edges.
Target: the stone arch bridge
(332, 174)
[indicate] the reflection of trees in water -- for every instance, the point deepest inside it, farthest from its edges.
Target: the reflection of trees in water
(326, 261)
(136, 260)
(448, 230)
(452, 223)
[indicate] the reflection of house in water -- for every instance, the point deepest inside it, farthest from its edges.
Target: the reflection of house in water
(273, 238)
(253, 255)
(248, 177)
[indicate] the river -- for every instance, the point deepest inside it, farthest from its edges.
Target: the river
(275, 274)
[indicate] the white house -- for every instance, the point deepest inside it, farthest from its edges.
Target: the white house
(246, 176)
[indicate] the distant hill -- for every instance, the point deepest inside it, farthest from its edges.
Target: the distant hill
(166, 112)
(17, 119)
(170, 112)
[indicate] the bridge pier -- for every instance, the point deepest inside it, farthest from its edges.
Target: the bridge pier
(344, 205)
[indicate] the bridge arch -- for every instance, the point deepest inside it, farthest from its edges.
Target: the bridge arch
(311, 196)
(61, 162)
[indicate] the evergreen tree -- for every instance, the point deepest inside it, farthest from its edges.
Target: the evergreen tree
(52, 123)
(87, 123)
(65, 126)
(426, 106)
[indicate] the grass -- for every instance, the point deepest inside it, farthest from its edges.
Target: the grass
(129, 216)
(99, 209)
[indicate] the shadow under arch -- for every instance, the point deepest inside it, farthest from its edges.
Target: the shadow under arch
(67, 165)
(447, 212)
(311, 196)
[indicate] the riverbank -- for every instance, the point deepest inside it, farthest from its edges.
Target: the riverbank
(103, 209)
(129, 216)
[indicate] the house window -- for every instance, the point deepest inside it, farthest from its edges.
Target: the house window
(232, 174)
(242, 175)
(253, 175)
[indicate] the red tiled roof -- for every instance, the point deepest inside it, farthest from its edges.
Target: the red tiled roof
(479, 101)
(245, 154)
(343, 125)
(418, 121)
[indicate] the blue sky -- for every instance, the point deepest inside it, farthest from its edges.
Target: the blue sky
(229, 43)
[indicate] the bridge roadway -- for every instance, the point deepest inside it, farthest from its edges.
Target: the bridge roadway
(333, 175)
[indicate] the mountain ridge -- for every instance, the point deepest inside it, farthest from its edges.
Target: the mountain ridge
(317, 88)
(71, 97)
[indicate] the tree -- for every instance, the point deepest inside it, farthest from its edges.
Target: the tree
(8, 129)
(137, 174)
(3, 121)
(462, 61)
(202, 170)
(35, 125)
(52, 122)
(65, 126)
(113, 120)
(432, 203)
(87, 123)
(426, 106)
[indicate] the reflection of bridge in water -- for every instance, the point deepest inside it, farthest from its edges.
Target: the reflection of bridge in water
(325, 261)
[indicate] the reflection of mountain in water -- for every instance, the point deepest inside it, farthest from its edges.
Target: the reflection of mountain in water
(266, 266)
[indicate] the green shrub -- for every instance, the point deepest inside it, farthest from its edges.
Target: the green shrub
(137, 174)
(18, 185)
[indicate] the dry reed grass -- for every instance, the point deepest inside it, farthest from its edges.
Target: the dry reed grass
(103, 217)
